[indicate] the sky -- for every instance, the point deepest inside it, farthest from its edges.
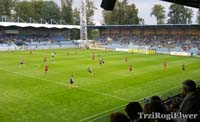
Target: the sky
(144, 9)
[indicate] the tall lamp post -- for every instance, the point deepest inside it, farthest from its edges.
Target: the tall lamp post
(83, 24)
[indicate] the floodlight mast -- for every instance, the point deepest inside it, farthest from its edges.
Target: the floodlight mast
(83, 24)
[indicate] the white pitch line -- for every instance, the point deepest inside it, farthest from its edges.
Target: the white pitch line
(113, 109)
(60, 83)
(100, 93)
(17, 73)
(109, 110)
(103, 94)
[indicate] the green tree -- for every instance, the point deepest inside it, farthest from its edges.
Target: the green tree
(123, 13)
(198, 17)
(67, 11)
(38, 9)
(159, 12)
(76, 16)
(189, 15)
(75, 33)
(132, 15)
(90, 11)
(178, 14)
(24, 10)
(6, 6)
(50, 10)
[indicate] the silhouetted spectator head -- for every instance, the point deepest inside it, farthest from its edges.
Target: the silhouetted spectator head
(118, 117)
(156, 106)
(189, 86)
(156, 98)
(132, 110)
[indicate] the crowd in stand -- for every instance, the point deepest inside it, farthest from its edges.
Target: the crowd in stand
(184, 41)
(23, 39)
(186, 103)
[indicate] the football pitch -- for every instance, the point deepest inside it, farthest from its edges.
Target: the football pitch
(29, 95)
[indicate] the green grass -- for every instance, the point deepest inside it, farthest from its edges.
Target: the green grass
(29, 96)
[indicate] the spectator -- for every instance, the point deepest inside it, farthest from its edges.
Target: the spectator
(132, 110)
(118, 117)
(155, 98)
(156, 106)
(191, 101)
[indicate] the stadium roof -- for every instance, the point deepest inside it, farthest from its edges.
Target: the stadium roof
(36, 25)
(191, 3)
(144, 26)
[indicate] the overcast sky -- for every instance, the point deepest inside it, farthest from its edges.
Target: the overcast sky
(144, 8)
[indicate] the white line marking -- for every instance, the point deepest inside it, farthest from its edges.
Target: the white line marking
(114, 109)
(60, 83)
(103, 94)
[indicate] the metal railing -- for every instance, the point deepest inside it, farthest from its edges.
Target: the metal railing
(31, 20)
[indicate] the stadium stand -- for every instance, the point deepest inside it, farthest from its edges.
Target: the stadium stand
(162, 38)
(14, 36)
(34, 42)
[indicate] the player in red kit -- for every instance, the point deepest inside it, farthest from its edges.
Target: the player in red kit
(164, 65)
(131, 68)
(46, 68)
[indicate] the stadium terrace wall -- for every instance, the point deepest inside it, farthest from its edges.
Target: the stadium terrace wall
(21, 48)
(143, 51)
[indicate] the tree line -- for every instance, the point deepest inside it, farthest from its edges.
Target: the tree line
(178, 14)
(38, 9)
(123, 13)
